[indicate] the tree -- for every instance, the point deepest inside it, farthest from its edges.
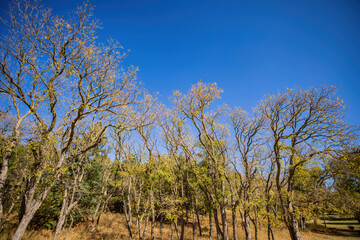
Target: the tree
(344, 170)
(304, 126)
(246, 164)
(60, 78)
(212, 137)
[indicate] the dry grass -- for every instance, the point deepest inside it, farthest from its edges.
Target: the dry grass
(112, 226)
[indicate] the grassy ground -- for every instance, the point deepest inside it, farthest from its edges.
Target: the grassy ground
(334, 221)
(112, 226)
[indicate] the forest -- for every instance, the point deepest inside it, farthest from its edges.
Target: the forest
(80, 137)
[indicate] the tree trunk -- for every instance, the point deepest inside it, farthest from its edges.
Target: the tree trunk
(128, 221)
(177, 231)
(194, 224)
(199, 224)
(62, 216)
(91, 228)
(152, 215)
(217, 224)
(302, 224)
(31, 204)
(269, 230)
(246, 224)
(225, 224)
(3, 177)
(67, 234)
(293, 227)
(234, 221)
(30, 210)
(255, 226)
(182, 221)
(223, 214)
(139, 227)
(161, 225)
(5, 161)
(210, 225)
(145, 228)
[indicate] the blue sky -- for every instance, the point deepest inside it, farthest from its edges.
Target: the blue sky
(250, 48)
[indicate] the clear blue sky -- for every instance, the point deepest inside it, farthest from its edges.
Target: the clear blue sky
(250, 48)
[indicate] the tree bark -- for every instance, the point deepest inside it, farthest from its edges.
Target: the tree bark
(217, 224)
(152, 214)
(6, 158)
(210, 225)
(255, 226)
(246, 224)
(233, 210)
(62, 216)
(30, 210)
(199, 223)
(194, 224)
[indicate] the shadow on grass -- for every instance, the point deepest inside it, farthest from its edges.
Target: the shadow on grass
(333, 231)
(343, 223)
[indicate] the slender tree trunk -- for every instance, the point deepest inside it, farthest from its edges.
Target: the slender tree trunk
(177, 231)
(210, 225)
(270, 232)
(182, 222)
(68, 204)
(199, 223)
(91, 228)
(223, 214)
(62, 216)
(234, 221)
(4, 221)
(139, 228)
(161, 225)
(3, 177)
(269, 228)
(287, 208)
(194, 224)
(67, 234)
(104, 204)
(161, 213)
(128, 221)
(152, 214)
(145, 228)
(217, 224)
(225, 224)
(246, 224)
(302, 223)
(255, 226)
(5, 160)
(100, 213)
